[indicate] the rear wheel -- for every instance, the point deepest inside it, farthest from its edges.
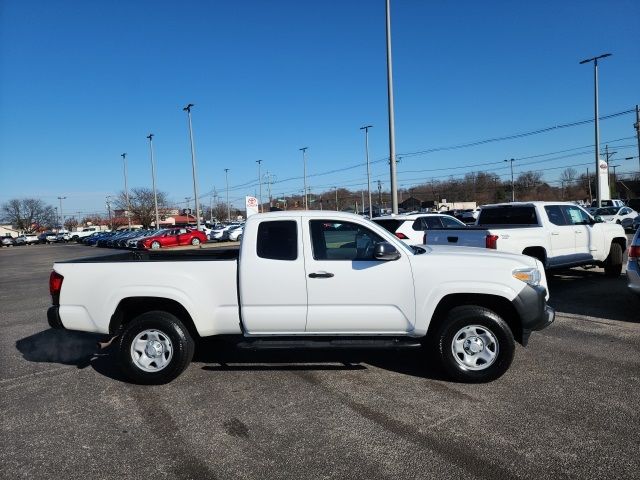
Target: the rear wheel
(613, 263)
(195, 242)
(155, 245)
(155, 348)
(474, 344)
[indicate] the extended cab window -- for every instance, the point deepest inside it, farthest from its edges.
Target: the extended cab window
(554, 212)
(278, 240)
(342, 241)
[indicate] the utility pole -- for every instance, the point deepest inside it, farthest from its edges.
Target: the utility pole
(304, 162)
(379, 197)
(259, 162)
(589, 184)
(607, 153)
(126, 189)
(187, 206)
(109, 211)
(637, 127)
(366, 148)
(226, 179)
(392, 134)
(336, 189)
(193, 165)
(596, 124)
(513, 190)
(153, 180)
(61, 214)
(269, 177)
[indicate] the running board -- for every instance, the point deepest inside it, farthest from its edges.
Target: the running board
(329, 343)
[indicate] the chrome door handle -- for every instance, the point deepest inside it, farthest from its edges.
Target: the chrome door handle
(321, 275)
(555, 233)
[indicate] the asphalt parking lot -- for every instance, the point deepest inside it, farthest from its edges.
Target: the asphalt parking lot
(567, 408)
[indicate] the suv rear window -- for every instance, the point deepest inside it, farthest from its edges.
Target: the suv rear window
(508, 215)
(389, 225)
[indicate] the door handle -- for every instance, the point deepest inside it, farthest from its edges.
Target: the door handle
(578, 232)
(321, 275)
(555, 233)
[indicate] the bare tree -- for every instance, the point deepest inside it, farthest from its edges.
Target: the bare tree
(29, 214)
(141, 205)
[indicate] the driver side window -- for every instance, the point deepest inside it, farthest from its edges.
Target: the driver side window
(342, 240)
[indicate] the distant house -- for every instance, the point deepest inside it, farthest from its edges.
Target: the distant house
(8, 231)
(178, 220)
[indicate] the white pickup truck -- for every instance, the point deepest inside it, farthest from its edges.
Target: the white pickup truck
(559, 234)
(306, 279)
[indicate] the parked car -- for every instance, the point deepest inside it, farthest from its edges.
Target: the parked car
(8, 241)
(621, 215)
(633, 264)
(172, 238)
(47, 237)
(133, 242)
(26, 239)
(410, 228)
(221, 234)
(235, 235)
(342, 281)
(63, 237)
(636, 223)
(86, 232)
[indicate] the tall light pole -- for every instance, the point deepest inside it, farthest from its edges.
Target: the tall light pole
(259, 162)
(226, 179)
(153, 180)
(637, 127)
(193, 165)
(596, 122)
(336, 189)
(392, 128)
(304, 162)
(513, 190)
(366, 148)
(61, 214)
(126, 189)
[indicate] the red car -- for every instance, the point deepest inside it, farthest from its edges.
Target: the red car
(172, 238)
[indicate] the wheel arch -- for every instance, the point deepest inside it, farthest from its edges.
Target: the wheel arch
(537, 252)
(129, 308)
(622, 241)
(500, 305)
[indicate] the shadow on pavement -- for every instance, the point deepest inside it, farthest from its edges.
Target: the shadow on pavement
(589, 292)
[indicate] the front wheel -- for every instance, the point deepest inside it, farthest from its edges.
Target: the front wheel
(475, 344)
(155, 348)
(155, 245)
(613, 263)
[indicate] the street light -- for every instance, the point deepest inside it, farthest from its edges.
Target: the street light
(513, 191)
(259, 162)
(596, 123)
(61, 215)
(366, 147)
(304, 162)
(153, 180)
(193, 165)
(126, 188)
(226, 179)
(392, 134)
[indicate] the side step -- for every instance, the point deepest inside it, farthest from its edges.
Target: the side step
(288, 343)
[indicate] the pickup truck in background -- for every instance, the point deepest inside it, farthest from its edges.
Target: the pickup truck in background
(303, 280)
(559, 234)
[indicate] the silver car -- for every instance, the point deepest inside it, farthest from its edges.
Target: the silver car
(633, 264)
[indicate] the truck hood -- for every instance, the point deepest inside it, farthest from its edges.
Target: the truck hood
(479, 254)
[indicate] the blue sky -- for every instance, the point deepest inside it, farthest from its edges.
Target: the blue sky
(82, 82)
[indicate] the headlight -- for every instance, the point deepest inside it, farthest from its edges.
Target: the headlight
(530, 276)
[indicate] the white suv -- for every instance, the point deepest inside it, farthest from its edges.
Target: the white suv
(410, 228)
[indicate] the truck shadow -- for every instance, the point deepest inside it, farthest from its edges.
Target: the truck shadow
(80, 349)
(590, 293)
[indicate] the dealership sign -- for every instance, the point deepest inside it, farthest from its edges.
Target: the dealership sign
(251, 204)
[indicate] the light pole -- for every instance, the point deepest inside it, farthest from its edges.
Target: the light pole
(379, 198)
(187, 206)
(366, 148)
(61, 214)
(637, 127)
(304, 163)
(193, 165)
(108, 202)
(336, 189)
(126, 189)
(392, 134)
(153, 180)
(596, 122)
(513, 191)
(226, 179)
(259, 162)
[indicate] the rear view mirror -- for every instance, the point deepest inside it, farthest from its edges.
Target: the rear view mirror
(385, 251)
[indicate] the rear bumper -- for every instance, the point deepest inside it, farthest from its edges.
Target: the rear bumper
(53, 317)
(533, 310)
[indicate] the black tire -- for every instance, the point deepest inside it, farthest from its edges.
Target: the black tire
(613, 263)
(171, 332)
(239, 238)
(479, 320)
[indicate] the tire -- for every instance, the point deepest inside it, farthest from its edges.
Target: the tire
(613, 263)
(155, 348)
(195, 242)
(474, 344)
(155, 245)
(239, 238)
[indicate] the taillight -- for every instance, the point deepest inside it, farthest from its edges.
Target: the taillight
(634, 252)
(55, 284)
(491, 241)
(401, 236)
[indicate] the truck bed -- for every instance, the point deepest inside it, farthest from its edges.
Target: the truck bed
(209, 254)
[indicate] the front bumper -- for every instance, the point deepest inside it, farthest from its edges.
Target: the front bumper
(533, 310)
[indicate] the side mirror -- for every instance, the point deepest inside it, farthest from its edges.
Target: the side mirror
(598, 219)
(385, 251)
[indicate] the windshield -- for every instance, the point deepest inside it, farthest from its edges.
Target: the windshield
(607, 211)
